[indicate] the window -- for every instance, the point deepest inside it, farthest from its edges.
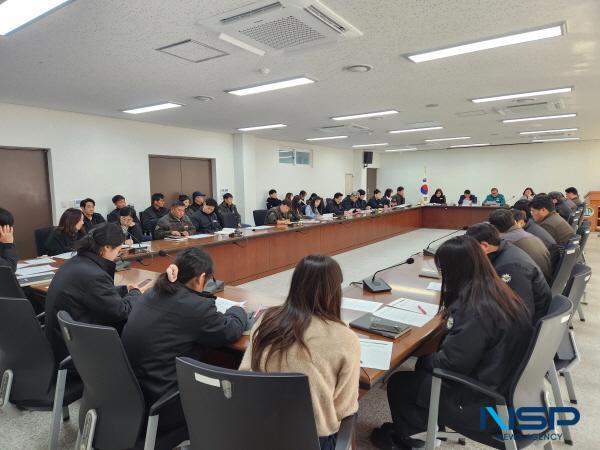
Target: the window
(295, 157)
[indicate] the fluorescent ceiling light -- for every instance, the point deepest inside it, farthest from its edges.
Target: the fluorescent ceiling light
(557, 139)
(16, 13)
(381, 144)
(273, 86)
(263, 127)
(365, 115)
(470, 145)
(414, 130)
(327, 138)
(522, 95)
(145, 109)
(528, 119)
(401, 150)
(558, 130)
(486, 44)
(460, 138)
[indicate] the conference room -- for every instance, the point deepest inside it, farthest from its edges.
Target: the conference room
(299, 224)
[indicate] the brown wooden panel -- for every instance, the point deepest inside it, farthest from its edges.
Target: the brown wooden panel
(196, 175)
(454, 217)
(165, 177)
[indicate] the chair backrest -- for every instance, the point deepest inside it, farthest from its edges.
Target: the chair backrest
(580, 275)
(564, 269)
(41, 236)
(9, 286)
(110, 386)
(144, 221)
(528, 387)
(230, 221)
(260, 216)
(584, 231)
(25, 350)
(266, 411)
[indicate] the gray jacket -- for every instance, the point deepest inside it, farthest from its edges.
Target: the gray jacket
(533, 246)
(558, 228)
(168, 223)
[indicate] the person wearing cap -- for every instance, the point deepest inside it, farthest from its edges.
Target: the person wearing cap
(350, 202)
(197, 202)
(560, 205)
(176, 223)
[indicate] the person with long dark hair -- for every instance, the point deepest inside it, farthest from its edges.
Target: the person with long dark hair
(307, 335)
(314, 207)
(438, 197)
(528, 194)
(175, 318)
(84, 286)
(297, 206)
(387, 197)
(69, 230)
(488, 332)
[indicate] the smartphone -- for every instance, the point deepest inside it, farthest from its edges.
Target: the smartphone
(145, 282)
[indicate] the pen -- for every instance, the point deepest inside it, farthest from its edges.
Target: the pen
(421, 309)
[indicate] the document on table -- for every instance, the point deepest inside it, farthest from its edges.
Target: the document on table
(226, 231)
(262, 227)
(27, 271)
(415, 306)
(38, 261)
(433, 286)
(223, 304)
(402, 316)
(136, 245)
(375, 354)
(67, 255)
(360, 305)
(200, 236)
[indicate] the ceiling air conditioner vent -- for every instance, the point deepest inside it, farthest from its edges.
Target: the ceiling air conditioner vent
(252, 12)
(350, 129)
(531, 108)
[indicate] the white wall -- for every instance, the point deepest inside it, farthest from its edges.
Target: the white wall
(544, 167)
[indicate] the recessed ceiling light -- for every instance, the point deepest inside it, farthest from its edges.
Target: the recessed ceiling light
(414, 130)
(365, 115)
(204, 98)
(263, 127)
(272, 86)
(558, 130)
(469, 145)
(460, 138)
(393, 150)
(159, 107)
(16, 13)
(381, 144)
(528, 119)
(557, 139)
(359, 68)
(523, 95)
(327, 138)
(511, 39)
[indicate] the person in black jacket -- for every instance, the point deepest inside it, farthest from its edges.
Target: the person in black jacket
(206, 220)
(335, 206)
(376, 201)
(84, 287)
(150, 216)
(515, 268)
(90, 218)
(174, 319)
(197, 202)
(560, 205)
(228, 207)
(350, 203)
(488, 332)
(361, 203)
(8, 252)
(438, 197)
(467, 199)
(131, 230)
(272, 200)
(120, 202)
(70, 229)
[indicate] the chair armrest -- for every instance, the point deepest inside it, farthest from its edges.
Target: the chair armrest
(162, 402)
(345, 434)
(41, 316)
(66, 364)
(470, 383)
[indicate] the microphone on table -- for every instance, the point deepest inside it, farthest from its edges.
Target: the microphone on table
(427, 251)
(140, 249)
(377, 284)
(212, 286)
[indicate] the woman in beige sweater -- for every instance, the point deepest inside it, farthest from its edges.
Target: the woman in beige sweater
(307, 335)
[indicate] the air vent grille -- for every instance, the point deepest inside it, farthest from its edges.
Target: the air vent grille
(192, 51)
(283, 33)
(318, 14)
(247, 14)
(350, 129)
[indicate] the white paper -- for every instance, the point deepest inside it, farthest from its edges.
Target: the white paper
(402, 316)
(310, 221)
(136, 245)
(414, 305)
(226, 231)
(38, 261)
(21, 265)
(360, 305)
(67, 255)
(200, 236)
(434, 286)
(223, 304)
(262, 227)
(375, 354)
(27, 271)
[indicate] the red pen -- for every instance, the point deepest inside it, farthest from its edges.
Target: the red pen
(421, 309)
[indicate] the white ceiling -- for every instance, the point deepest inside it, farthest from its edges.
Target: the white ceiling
(99, 57)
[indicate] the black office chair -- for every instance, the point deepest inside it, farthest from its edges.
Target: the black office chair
(41, 236)
(584, 232)
(145, 223)
(112, 412)
(260, 215)
(267, 411)
(575, 288)
(564, 269)
(527, 388)
(29, 378)
(229, 220)
(9, 286)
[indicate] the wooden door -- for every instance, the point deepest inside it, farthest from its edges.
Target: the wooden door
(173, 176)
(371, 181)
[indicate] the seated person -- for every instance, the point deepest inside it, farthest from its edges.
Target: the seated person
(90, 218)
(119, 202)
(376, 201)
(542, 211)
(560, 206)
(289, 196)
(296, 210)
(350, 202)
(172, 319)
(488, 332)
(506, 224)
(85, 287)
(495, 199)
(398, 198)
(280, 215)
(187, 202)
(387, 198)
(8, 251)
(176, 223)
(572, 194)
(528, 194)
(197, 202)
(362, 203)
(307, 335)
(438, 197)
(228, 207)
(516, 268)
(528, 224)
(313, 208)
(70, 229)
(467, 199)
(272, 200)
(154, 212)
(206, 220)
(131, 230)
(302, 195)
(335, 206)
